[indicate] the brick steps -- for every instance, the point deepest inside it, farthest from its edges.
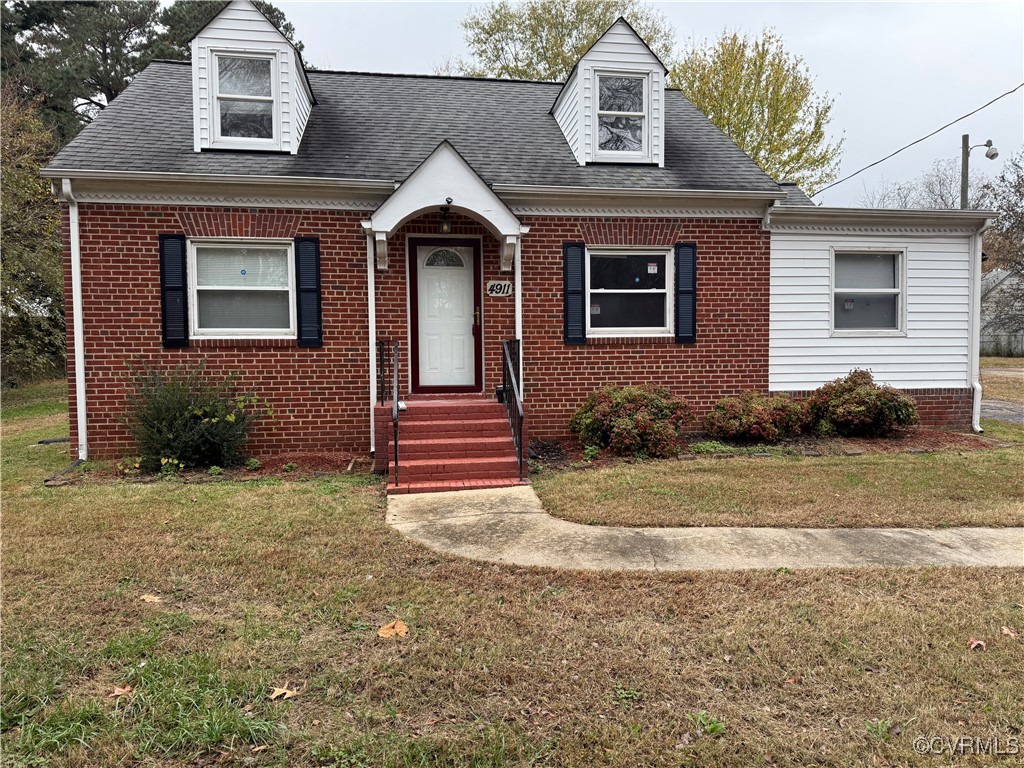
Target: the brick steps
(454, 443)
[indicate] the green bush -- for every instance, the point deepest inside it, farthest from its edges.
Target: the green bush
(633, 421)
(855, 406)
(187, 417)
(756, 418)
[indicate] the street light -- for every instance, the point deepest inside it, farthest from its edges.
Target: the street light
(965, 157)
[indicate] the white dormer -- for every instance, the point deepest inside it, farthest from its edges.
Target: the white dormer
(249, 88)
(612, 108)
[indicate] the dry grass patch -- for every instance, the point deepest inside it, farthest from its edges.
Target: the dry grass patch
(946, 488)
(272, 583)
(1002, 362)
(1003, 385)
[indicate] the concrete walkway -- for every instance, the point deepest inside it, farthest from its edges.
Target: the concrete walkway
(509, 525)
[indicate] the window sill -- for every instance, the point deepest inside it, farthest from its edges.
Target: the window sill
(868, 333)
(206, 342)
(630, 341)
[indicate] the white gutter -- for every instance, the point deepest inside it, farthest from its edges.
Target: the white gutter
(667, 193)
(371, 309)
(76, 314)
(373, 185)
(974, 356)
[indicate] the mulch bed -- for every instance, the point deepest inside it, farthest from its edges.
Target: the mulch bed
(556, 455)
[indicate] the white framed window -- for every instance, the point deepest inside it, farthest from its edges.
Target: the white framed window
(246, 103)
(242, 288)
(623, 117)
(868, 292)
(629, 292)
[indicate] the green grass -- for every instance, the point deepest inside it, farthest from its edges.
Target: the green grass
(944, 488)
(44, 398)
(265, 585)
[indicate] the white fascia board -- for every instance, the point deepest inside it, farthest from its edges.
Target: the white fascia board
(75, 173)
(445, 175)
(567, 194)
(812, 216)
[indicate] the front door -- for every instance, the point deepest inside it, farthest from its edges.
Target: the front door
(444, 275)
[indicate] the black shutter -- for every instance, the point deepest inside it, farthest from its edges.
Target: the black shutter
(307, 292)
(686, 293)
(174, 290)
(574, 292)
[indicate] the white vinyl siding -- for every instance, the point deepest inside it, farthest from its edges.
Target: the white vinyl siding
(241, 30)
(932, 352)
(622, 52)
(567, 115)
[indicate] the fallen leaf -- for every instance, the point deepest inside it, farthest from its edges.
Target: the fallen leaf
(287, 692)
(260, 748)
(118, 691)
(152, 599)
(793, 680)
(1009, 632)
(975, 645)
(396, 627)
(316, 722)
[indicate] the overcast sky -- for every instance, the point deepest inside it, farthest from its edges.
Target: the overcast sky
(897, 71)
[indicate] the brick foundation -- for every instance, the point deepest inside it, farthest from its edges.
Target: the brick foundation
(946, 408)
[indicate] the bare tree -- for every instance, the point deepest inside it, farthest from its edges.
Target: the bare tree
(938, 188)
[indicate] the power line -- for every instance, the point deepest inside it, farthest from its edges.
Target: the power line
(908, 146)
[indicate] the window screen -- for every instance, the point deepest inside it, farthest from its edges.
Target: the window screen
(866, 291)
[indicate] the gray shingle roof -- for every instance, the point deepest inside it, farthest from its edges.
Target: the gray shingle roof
(794, 195)
(370, 126)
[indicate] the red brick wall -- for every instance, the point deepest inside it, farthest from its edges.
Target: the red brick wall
(320, 396)
(731, 351)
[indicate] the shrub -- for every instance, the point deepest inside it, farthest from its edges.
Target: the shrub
(633, 421)
(188, 418)
(855, 406)
(756, 418)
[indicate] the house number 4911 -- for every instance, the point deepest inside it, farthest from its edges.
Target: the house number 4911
(499, 288)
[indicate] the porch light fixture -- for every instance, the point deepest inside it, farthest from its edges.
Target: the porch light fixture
(444, 227)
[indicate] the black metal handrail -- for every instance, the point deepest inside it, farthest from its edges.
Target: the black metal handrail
(513, 395)
(387, 362)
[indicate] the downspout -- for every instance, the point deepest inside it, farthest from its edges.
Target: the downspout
(519, 310)
(76, 314)
(974, 361)
(371, 308)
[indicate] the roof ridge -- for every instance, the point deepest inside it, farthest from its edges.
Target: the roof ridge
(431, 77)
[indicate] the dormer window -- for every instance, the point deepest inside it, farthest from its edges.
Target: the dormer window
(623, 127)
(246, 113)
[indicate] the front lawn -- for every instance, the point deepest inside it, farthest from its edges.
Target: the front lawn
(149, 624)
(916, 490)
(1002, 378)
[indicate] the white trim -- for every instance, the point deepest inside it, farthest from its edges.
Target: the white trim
(663, 194)
(240, 333)
(77, 313)
(639, 211)
(371, 304)
(665, 331)
(518, 266)
(900, 291)
(622, 156)
(217, 141)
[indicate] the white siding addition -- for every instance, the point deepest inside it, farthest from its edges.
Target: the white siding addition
(934, 351)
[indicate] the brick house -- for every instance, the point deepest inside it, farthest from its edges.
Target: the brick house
(293, 226)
